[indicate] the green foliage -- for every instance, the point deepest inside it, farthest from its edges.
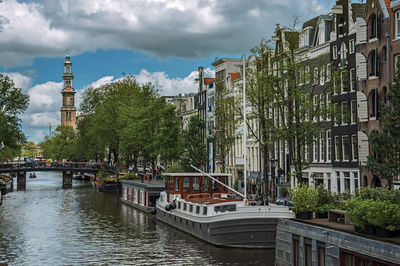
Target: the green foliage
(379, 207)
(195, 152)
(175, 168)
(129, 121)
(29, 150)
(384, 214)
(357, 210)
(12, 103)
(304, 198)
(62, 145)
(325, 207)
(284, 192)
(325, 197)
(130, 176)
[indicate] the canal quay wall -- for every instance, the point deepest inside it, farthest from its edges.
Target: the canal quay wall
(301, 243)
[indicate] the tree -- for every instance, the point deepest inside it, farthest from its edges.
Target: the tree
(12, 103)
(385, 145)
(62, 145)
(195, 152)
(29, 149)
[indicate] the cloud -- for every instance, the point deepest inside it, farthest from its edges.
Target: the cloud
(171, 86)
(20, 80)
(160, 28)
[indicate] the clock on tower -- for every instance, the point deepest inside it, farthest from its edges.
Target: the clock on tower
(68, 110)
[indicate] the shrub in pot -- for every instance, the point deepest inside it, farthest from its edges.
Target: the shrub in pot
(385, 215)
(357, 210)
(304, 199)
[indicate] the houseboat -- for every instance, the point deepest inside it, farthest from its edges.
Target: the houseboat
(142, 195)
(202, 205)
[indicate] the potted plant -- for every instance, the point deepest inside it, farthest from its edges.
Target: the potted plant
(357, 210)
(385, 216)
(304, 199)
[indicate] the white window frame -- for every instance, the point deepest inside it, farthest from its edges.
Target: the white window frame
(343, 148)
(329, 145)
(351, 46)
(334, 52)
(337, 146)
(397, 24)
(352, 72)
(353, 147)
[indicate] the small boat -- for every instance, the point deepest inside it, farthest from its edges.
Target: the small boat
(32, 175)
(201, 205)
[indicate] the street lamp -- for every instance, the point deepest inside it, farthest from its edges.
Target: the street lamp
(273, 183)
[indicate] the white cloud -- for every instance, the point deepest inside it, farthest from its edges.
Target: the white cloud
(20, 80)
(161, 28)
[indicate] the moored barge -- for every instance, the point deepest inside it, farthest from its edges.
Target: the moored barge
(142, 195)
(202, 207)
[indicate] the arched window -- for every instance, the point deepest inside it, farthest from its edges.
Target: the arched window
(373, 26)
(372, 103)
(373, 64)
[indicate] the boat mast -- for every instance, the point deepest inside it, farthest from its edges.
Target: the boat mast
(244, 128)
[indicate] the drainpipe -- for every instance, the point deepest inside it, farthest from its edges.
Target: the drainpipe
(388, 58)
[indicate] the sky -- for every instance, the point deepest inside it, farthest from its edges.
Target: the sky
(162, 41)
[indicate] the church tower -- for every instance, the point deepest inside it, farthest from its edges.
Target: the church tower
(68, 110)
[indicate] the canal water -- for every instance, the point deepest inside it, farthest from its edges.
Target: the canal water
(47, 225)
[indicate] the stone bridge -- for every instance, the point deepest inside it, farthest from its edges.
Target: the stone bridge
(67, 170)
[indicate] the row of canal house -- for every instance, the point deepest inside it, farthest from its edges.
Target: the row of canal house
(360, 39)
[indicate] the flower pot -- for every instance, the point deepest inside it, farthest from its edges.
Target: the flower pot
(304, 215)
(321, 215)
(381, 232)
(370, 229)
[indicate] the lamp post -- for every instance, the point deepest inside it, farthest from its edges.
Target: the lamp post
(273, 183)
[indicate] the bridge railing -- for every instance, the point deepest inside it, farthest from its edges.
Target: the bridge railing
(56, 165)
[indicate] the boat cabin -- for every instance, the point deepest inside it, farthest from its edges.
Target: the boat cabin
(195, 185)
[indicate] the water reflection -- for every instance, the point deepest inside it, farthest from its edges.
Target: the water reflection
(48, 225)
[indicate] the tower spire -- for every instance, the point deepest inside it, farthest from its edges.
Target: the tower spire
(68, 110)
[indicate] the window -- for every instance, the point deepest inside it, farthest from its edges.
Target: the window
(345, 113)
(328, 137)
(321, 253)
(334, 52)
(197, 209)
(307, 74)
(337, 148)
(176, 184)
(346, 181)
(342, 81)
(328, 72)
(373, 26)
(296, 251)
(345, 148)
(323, 145)
(343, 51)
(184, 206)
(373, 64)
(352, 79)
(316, 149)
(204, 210)
(307, 252)
(322, 75)
(190, 208)
(68, 69)
(373, 103)
(353, 112)
(351, 46)
(397, 24)
(316, 75)
(396, 61)
(205, 184)
(186, 184)
(196, 184)
(215, 186)
(354, 151)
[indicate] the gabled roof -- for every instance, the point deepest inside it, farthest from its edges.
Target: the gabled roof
(358, 10)
(384, 8)
(208, 80)
(234, 75)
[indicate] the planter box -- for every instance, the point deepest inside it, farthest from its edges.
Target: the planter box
(380, 232)
(370, 229)
(304, 215)
(321, 215)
